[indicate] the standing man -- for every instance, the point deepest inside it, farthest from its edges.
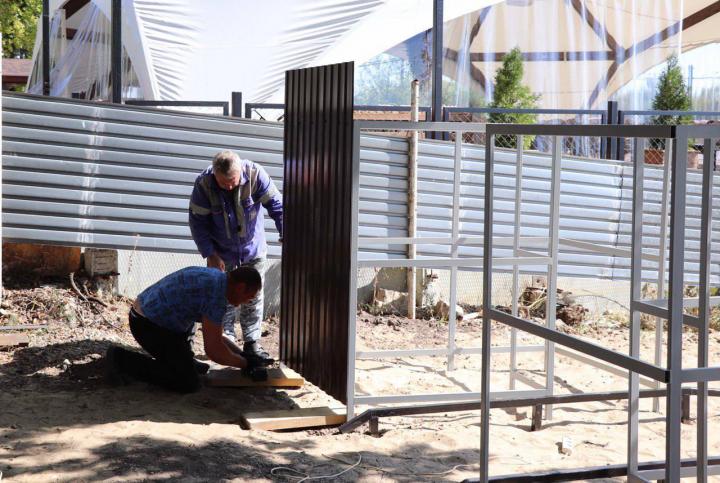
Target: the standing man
(226, 221)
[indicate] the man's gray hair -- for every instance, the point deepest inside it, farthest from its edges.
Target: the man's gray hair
(226, 163)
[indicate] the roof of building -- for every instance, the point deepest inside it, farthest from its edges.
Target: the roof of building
(16, 67)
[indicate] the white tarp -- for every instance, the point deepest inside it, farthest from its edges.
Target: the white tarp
(191, 50)
(578, 53)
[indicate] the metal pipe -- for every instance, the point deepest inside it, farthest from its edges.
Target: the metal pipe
(437, 59)
(636, 294)
(704, 312)
(412, 197)
(352, 304)
(516, 246)
(46, 47)
(455, 233)
(236, 101)
(661, 267)
(673, 412)
(487, 305)
(116, 52)
(553, 247)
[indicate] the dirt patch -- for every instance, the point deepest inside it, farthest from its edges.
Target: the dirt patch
(62, 422)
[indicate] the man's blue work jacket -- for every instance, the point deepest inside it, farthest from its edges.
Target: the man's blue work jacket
(230, 223)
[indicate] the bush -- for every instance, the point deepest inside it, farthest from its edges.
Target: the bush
(511, 93)
(672, 95)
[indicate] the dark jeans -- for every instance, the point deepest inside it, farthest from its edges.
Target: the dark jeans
(172, 364)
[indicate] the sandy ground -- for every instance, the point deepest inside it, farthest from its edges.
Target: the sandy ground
(60, 421)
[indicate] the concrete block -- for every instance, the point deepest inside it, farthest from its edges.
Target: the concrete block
(99, 261)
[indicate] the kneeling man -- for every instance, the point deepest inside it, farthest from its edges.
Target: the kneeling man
(162, 320)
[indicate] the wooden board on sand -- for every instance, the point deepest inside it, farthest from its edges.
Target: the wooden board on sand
(294, 418)
(277, 377)
(14, 340)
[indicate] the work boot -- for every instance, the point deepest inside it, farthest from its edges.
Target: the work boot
(113, 373)
(253, 350)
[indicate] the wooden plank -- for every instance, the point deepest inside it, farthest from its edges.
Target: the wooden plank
(14, 340)
(294, 418)
(277, 377)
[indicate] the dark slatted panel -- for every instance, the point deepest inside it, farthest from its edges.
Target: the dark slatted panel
(317, 232)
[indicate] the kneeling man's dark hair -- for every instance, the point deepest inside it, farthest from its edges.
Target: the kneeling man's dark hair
(247, 275)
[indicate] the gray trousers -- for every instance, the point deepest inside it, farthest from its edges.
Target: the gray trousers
(250, 315)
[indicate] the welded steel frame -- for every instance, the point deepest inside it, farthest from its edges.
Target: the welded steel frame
(549, 243)
(522, 256)
(672, 374)
(519, 257)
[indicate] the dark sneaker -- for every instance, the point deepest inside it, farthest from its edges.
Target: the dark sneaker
(257, 374)
(201, 367)
(113, 374)
(256, 355)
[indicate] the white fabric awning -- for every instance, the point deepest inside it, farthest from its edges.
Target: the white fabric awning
(578, 53)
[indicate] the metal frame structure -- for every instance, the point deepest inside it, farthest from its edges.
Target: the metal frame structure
(623, 115)
(671, 309)
(250, 106)
(520, 256)
(511, 243)
(606, 117)
(225, 105)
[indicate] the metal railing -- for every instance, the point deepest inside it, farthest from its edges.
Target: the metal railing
(595, 147)
(224, 105)
(254, 108)
(656, 147)
(671, 309)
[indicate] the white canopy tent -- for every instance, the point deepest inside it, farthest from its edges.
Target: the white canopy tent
(578, 53)
(190, 50)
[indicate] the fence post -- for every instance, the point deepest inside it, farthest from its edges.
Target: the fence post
(412, 197)
(116, 52)
(620, 154)
(236, 104)
(611, 118)
(46, 47)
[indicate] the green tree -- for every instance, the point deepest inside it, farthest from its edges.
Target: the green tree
(672, 95)
(511, 93)
(18, 24)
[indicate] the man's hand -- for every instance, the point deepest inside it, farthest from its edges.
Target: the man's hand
(214, 261)
(216, 347)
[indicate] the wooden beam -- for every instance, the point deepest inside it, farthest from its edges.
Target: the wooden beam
(14, 340)
(294, 418)
(277, 377)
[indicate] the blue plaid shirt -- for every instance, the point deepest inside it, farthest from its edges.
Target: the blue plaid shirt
(182, 298)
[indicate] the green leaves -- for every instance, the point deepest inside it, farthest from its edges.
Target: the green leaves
(511, 93)
(672, 94)
(18, 24)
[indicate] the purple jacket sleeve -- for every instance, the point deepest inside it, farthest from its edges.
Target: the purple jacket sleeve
(200, 219)
(269, 196)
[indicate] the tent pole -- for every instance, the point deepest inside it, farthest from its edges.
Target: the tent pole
(46, 47)
(437, 59)
(116, 52)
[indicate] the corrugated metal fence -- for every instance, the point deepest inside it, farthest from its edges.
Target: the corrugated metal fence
(100, 175)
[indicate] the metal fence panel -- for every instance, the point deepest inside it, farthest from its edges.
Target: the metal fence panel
(317, 236)
(93, 174)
